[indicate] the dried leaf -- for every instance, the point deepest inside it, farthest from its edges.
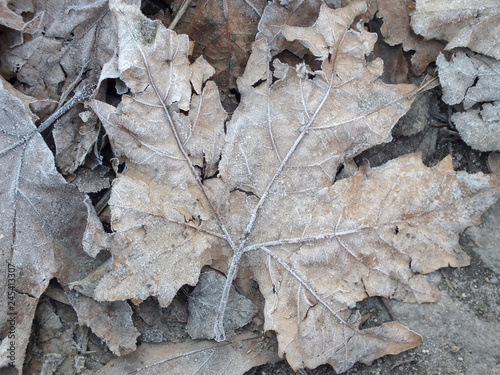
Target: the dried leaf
(70, 44)
(463, 23)
(74, 139)
(204, 303)
(195, 356)
(471, 79)
(274, 212)
(396, 30)
(91, 180)
(223, 32)
(15, 21)
(278, 14)
(37, 237)
(111, 321)
(480, 128)
(150, 145)
(61, 48)
(202, 71)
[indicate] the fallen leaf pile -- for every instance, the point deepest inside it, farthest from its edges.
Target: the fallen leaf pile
(246, 206)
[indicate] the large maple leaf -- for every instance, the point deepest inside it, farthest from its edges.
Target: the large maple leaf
(274, 211)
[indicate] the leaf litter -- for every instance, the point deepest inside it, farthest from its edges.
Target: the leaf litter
(257, 198)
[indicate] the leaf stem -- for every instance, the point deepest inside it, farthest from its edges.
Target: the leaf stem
(219, 333)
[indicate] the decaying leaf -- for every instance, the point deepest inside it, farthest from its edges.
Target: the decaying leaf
(69, 45)
(223, 32)
(195, 356)
(110, 320)
(43, 218)
(15, 21)
(61, 49)
(470, 79)
(463, 23)
(274, 212)
(280, 13)
(480, 128)
(396, 30)
(204, 303)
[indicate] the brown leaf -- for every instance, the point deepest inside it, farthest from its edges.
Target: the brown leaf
(396, 30)
(74, 139)
(61, 49)
(463, 23)
(223, 32)
(274, 212)
(278, 14)
(111, 321)
(201, 133)
(195, 356)
(15, 21)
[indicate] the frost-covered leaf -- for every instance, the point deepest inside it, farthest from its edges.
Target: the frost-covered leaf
(204, 303)
(274, 212)
(396, 30)
(91, 180)
(164, 153)
(74, 139)
(69, 45)
(462, 23)
(278, 14)
(14, 20)
(480, 128)
(43, 220)
(201, 71)
(223, 32)
(383, 226)
(470, 79)
(112, 321)
(71, 39)
(195, 357)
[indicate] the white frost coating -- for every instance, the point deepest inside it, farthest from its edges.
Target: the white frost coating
(478, 181)
(299, 236)
(480, 129)
(463, 23)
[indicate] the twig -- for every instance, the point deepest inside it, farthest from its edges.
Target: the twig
(71, 87)
(449, 285)
(179, 14)
(103, 202)
(402, 363)
(425, 87)
(79, 96)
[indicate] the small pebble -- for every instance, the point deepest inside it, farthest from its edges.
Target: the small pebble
(454, 349)
(460, 358)
(494, 280)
